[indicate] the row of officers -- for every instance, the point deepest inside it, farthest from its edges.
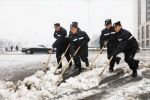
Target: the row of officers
(119, 40)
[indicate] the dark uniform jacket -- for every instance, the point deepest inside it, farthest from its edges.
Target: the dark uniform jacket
(126, 42)
(111, 36)
(61, 38)
(79, 39)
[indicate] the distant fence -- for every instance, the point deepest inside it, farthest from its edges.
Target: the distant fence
(145, 49)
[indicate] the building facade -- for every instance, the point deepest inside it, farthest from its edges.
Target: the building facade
(143, 23)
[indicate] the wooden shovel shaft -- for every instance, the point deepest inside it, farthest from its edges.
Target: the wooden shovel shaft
(69, 61)
(96, 57)
(49, 59)
(62, 58)
(106, 65)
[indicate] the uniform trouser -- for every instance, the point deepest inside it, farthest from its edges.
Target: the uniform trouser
(77, 61)
(59, 53)
(81, 55)
(129, 58)
(115, 58)
(84, 56)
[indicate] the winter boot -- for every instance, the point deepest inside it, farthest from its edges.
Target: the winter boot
(137, 64)
(87, 64)
(111, 70)
(70, 65)
(134, 73)
(79, 70)
(118, 60)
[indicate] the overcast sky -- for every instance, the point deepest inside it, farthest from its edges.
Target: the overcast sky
(32, 20)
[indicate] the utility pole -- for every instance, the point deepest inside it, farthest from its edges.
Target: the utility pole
(88, 1)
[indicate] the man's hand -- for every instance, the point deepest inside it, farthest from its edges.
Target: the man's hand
(102, 45)
(109, 56)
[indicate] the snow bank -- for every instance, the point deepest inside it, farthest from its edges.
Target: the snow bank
(130, 93)
(35, 87)
(42, 86)
(83, 81)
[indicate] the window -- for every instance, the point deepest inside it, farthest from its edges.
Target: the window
(143, 32)
(143, 44)
(147, 43)
(147, 31)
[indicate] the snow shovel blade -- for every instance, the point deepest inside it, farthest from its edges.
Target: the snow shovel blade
(67, 75)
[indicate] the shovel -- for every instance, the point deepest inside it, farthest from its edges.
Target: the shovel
(46, 66)
(62, 59)
(96, 57)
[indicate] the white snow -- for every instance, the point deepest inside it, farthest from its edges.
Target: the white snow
(44, 85)
(130, 93)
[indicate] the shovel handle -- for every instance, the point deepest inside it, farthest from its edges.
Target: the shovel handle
(106, 65)
(70, 61)
(61, 59)
(49, 59)
(96, 57)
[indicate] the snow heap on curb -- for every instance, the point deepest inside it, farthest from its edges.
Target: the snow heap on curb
(35, 87)
(83, 81)
(130, 93)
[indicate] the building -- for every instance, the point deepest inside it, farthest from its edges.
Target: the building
(143, 22)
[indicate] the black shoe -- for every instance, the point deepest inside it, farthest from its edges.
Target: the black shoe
(111, 70)
(87, 64)
(118, 60)
(137, 64)
(134, 74)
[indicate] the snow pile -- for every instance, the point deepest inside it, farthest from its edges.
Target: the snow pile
(84, 81)
(35, 87)
(79, 95)
(131, 93)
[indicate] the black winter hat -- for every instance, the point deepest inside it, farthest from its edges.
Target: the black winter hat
(73, 25)
(56, 25)
(107, 22)
(117, 24)
(76, 23)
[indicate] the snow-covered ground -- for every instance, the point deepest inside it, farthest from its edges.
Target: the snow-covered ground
(84, 86)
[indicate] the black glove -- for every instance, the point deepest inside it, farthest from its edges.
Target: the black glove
(102, 45)
(109, 56)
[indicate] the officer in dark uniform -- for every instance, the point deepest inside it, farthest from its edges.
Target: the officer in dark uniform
(61, 43)
(75, 23)
(128, 45)
(79, 38)
(108, 34)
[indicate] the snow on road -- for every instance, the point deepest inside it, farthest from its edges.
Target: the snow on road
(44, 86)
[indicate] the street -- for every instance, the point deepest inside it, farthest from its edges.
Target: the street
(17, 66)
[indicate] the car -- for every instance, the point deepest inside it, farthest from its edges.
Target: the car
(30, 49)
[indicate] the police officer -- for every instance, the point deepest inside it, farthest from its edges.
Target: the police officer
(128, 45)
(75, 23)
(108, 34)
(61, 43)
(79, 38)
